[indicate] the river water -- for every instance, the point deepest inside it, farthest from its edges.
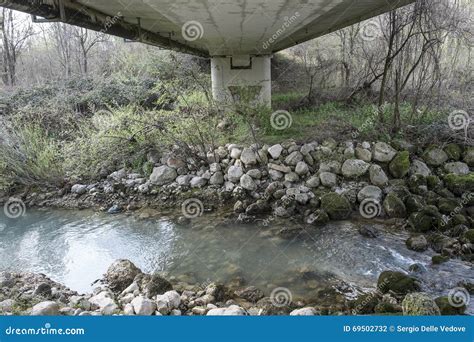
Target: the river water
(76, 248)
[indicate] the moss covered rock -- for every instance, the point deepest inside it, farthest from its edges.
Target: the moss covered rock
(434, 182)
(469, 235)
(336, 206)
(417, 243)
(439, 259)
(414, 203)
(460, 184)
(394, 206)
(397, 282)
(425, 220)
(419, 304)
(387, 308)
(453, 151)
(469, 156)
(448, 205)
(447, 309)
(400, 165)
(365, 304)
(435, 157)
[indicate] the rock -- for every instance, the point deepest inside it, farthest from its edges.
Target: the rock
(435, 156)
(304, 312)
(370, 191)
(175, 163)
(292, 177)
(232, 310)
(115, 209)
(423, 220)
(368, 231)
(447, 309)
(104, 301)
(331, 166)
(121, 274)
(319, 217)
(294, 158)
(378, 176)
(7, 305)
(198, 182)
(439, 259)
(280, 168)
(363, 154)
(234, 173)
(460, 184)
(336, 206)
(275, 175)
(163, 175)
(118, 175)
(417, 167)
(255, 173)
(217, 178)
(251, 294)
(248, 183)
(383, 152)
(453, 151)
(313, 182)
(128, 310)
(457, 168)
(143, 306)
(248, 157)
(184, 180)
(47, 308)
(79, 189)
(43, 290)
(235, 153)
(157, 285)
(328, 179)
(400, 165)
(469, 156)
(353, 168)
(417, 243)
(301, 168)
(394, 206)
(396, 282)
(419, 304)
(275, 151)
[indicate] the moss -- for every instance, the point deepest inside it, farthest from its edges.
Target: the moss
(336, 206)
(469, 235)
(397, 282)
(433, 182)
(453, 151)
(387, 308)
(439, 259)
(419, 304)
(447, 205)
(400, 165)
(447, 309)
(460, 184)
(148, 168)
(414, 203)
(394, 206)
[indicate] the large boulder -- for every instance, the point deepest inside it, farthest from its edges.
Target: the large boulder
(143, 306)
(400, 165)
(47, 308)
(383, 152)
(121, 274)
(397, 282)
(419, 304)
(336, 206)
(353, 168)
(163, 175)
(435, 156)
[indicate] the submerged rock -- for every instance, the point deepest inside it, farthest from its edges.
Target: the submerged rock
(397, 282)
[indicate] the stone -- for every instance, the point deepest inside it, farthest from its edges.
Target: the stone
(121, 274)
(418, 167)
(184, 180)
(43, 290)
(248, 183)
(234, 173)
(368, 231)
(328, 179)
(301, 168)
(304, 312)
(7, 305)
(319, 217)
(419, 304)
(217, 178)
(400, 165)
(331, 166)
(214, 167)
(175, 163)
(397, 282)
(336, 206)
(291, 177)
(198, 182)
(383, 152)
(417, 243)
(275, 175)
(435, 157)
(353, 168)
(105, 303)
(457, 168)
(163, 175)
(47, 308)
(446, 309)
(460, 184)
(79, 189)
(235, 153)
(394, 206)
(232, 310)
(370, 191)
(469, 156)
(157, 285)
(118, 175)
(313, 182)
(363, 154)
(251, 294)
(280, 168)
(377, 176)
(275, 151)
(255, 173)
(453, 151)
(143, 306)
(128, 310)
(293, 158)
(248, 157)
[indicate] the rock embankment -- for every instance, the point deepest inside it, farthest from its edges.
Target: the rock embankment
(126, 290)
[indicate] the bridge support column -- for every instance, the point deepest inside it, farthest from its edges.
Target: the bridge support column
(242, 78)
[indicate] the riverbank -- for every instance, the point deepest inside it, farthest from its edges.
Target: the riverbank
(126, 290)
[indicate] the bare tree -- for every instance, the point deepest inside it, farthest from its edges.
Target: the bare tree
(86, 40)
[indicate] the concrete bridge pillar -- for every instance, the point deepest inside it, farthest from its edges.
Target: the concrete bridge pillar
(242, 78)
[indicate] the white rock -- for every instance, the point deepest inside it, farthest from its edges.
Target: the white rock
(353, 168)
(143, 306)
(234, 173)
(235, 153)
(248, 157)
(370, 191)
(248, 183)
(163, 175)
(294, 158)
(418, 167)
(47, 308)
(383, 152)
(232, 310)
(128, 310)
(301, 168)
(378, 176)
(79, 189)
(303, 312)
(328, 179)
(275, 151)
(457, 168)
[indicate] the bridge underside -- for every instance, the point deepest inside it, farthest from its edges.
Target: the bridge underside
(247, 30)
